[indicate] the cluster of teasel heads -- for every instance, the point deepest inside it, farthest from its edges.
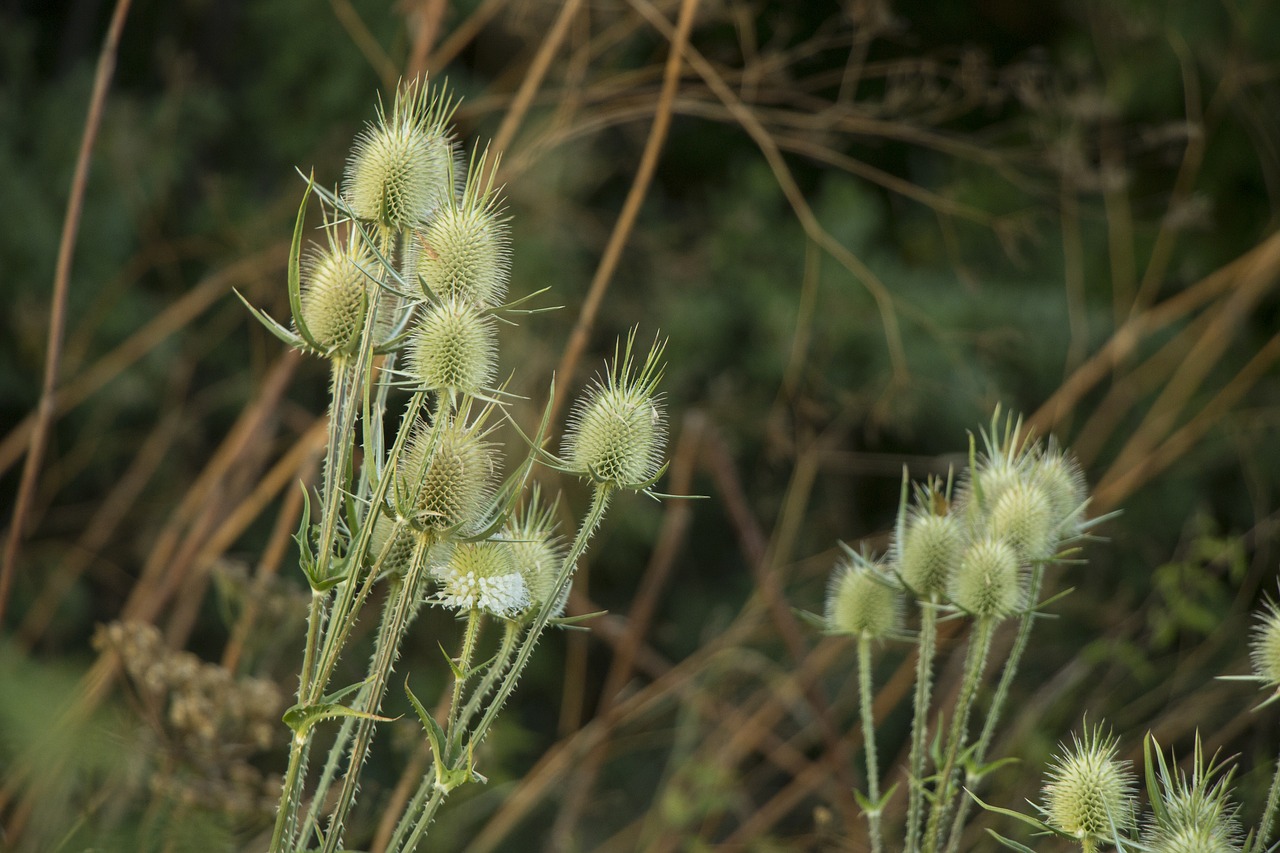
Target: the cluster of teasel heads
(979, 550)
(406, 290)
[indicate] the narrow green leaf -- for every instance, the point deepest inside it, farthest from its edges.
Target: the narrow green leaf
(295, 271)
(1010, 843)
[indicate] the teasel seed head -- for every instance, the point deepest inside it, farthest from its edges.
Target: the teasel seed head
(449, 486)
(335, 292)
(538, 553)
(929, 551)
(861, 601)
(1058, 473)
(988, 582)
(1089, 793)
(617, 430)
(464, 252)
(1022, 517)
(401, 166)
(1264, 645)
(397, 557)
(453, 347)
(482, 576)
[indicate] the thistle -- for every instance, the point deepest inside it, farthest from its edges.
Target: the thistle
(335, 292)
(861, 602)
(453, 349)
(482, 576)
(617, 430)
(1089, 793)
(401, 167)
(988, 581)
(447, 477)
(928, 552)
(537, 553)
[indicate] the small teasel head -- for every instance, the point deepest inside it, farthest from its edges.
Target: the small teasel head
(1264, 647)
(395, 558)
(1058, 473)
(932, 540)
(447, 475)
(1005, 461)
(537, 552)
(988, 582)
(482, 576)
(464, 252)
(1023, 517)
(1089, 794)
(335, 291)
(401, 166)
(1192, 811)
(862, 600)
(617, 429)
(453, 347)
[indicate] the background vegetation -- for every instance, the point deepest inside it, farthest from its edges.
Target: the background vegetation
(868, 224)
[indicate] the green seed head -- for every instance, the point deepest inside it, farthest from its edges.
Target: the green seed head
(400, 168)
(482, 576)
(1191, 840)
(1264, 645)
(449, 486)
(537, 553)
(861, 603)
(1058, 473)
(617, 430)
(335, 292)
(465, 251)
(453, 347)
(930, 548)
(394, 560)
(988, 582)
(1022, 516)
(1089, 793)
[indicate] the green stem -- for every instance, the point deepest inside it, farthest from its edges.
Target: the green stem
(869, 742)
(420, 827)
(997, 702)
(979, 647)
(1269, 814)
(464, 665)
(920, 721)
(599, 502)
(496, 670)
(390, 633)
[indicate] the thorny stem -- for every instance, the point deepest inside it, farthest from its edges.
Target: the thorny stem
(390, 632)
(997, 702)
(511, 633)
(1269, 814)
(979, 647)
(869, 742)
(464, 665)
(599, 502)
(420, 828)
(920, 721)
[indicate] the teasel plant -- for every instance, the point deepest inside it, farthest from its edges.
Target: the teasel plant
(971, 548)
(406, 290)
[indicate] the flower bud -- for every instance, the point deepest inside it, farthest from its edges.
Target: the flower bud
(465, 251)
(537, 554)
(988, 582)
(400, 168)
(930, 548)
(396, 558)
(1264, 645)
(1059, 474)
(860, 603)
(1023, 518)
(482, 575)
(335, 294)
(1089, 794)
(452, 347)
(617, 430)
(449, 486)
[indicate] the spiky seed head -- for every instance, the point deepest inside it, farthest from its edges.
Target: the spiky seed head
(930, 548)
(453, 347)
(482, 575)
(335, 293)
(617, 430)
(538, 554)
(988, 581)
(394, 560)
(1059, 474)
(1088, 792)
(1264, 645)
(449, 483)
(861, 602)
(1192, 840)
(401, 166)
(1022, 517)
(465, 251)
